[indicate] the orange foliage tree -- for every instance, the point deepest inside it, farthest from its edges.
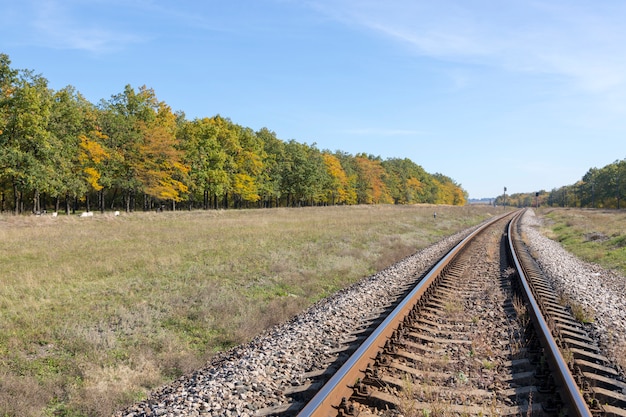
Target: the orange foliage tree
(371, 187)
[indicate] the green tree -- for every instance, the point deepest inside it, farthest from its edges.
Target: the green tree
(205, 158)
(304, 174)
(73, 125)
(589, 187)
(26, 146)
(611, 184)
(227, 138)
(8, 85)
(273, 167)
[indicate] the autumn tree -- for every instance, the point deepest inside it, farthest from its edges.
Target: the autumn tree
(338, 189)
(249, 163)
(371, 187)
(448, 191)
(162, 171)
(92, 159)
(350, 167)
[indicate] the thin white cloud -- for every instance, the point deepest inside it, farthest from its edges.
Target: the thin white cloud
(191, 15)
(583, 41)
(381, 132)
(55, 26)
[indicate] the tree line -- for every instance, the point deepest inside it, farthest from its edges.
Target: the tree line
(60, 152)
(598, 188)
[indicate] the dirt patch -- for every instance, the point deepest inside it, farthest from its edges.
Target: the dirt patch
(595, 237)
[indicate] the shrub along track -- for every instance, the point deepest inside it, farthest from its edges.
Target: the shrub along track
(470, 346)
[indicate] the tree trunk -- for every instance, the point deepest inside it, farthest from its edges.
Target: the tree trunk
(87, 201)
(36, 208)
(16, 198)
(101, 200)
(113, 198)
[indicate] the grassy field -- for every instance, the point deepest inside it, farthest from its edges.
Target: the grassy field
(95, 312)
(597, 236)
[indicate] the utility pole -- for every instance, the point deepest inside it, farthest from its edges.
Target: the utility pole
(617, 196)
(593, 195)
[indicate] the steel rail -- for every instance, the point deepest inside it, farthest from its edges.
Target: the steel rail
(341, 384)
(574, 400)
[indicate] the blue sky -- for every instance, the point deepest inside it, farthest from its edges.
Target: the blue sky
(519, 93)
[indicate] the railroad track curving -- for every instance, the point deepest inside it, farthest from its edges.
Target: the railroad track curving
(481, 333)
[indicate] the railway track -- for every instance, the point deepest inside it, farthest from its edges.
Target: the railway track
(482, 333)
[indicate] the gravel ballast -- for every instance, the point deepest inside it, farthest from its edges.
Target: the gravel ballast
(599, 291)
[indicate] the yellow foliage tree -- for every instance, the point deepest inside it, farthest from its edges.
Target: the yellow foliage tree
(91, 157)
(245, 187)
(339, 190)
(448, 193)
(414, 188)
(162, 169)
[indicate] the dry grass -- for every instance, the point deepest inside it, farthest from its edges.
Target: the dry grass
(597, 236)
(95, 312)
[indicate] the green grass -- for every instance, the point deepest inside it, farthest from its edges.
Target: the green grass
(597, 236)
(95, 312)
